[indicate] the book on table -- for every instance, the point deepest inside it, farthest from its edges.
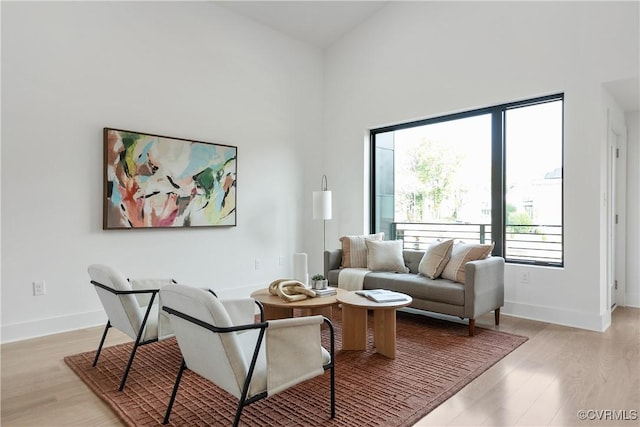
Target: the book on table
(382, 295)
(325, 292)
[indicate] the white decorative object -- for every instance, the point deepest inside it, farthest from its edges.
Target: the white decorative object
(300, 272)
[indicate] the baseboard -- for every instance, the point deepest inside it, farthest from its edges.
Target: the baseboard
(558, 316)
(571, 318)
(632, 299)
(51, 325)
(55, 325)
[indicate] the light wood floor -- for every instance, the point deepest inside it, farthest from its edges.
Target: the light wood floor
(546, 381)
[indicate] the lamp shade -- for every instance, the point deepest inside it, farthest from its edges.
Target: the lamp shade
(322, 204)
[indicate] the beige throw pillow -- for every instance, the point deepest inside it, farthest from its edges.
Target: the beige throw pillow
(354, 251)
(435, 259)
(385, 255)
(461, 254)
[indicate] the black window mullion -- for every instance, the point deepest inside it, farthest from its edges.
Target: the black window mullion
(497, 181)
(372, 182)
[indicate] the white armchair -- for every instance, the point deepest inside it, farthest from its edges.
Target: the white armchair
(221, 342)
(131, 307)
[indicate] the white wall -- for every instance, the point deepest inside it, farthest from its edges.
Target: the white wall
(183, 69)
(422, 59)
(632, 297)
(197, 71)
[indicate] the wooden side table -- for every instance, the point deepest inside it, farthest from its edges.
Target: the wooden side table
(276, 308)
(354, 323)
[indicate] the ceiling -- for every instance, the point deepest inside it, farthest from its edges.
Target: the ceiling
(626, 93)
(320, 23)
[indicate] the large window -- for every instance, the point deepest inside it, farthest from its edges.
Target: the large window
(493, 174)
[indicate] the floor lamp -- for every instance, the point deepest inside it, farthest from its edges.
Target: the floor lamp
(322, 207)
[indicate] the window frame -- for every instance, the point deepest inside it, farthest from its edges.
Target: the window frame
(498, 168)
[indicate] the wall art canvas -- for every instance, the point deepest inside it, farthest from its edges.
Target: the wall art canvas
(153, 181)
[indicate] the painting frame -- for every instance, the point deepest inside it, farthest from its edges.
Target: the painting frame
(154, 181)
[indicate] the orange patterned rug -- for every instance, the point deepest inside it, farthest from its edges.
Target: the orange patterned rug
(435, 359)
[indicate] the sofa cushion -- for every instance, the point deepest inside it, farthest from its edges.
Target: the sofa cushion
(385, 255)
(418, 287)
(460, 255)
(435, 259)
(412, 258)
(354, 250)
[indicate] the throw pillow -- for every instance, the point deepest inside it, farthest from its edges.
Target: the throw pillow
(385, 255)
(435, 259)
(461, 254)
(354, 251)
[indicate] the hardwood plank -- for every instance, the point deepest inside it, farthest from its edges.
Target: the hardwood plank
(546, 381)
(38, 389)
(559, 371)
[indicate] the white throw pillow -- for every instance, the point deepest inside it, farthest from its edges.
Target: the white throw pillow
(435, 259)
(354, 251)
(461, 254)
(385, 255)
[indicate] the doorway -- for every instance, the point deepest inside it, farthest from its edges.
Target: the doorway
(616, 218)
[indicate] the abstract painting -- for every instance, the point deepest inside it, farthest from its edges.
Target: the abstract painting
(153, 181)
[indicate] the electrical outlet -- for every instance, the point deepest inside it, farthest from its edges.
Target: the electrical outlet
(281, 260)
(39, 288)
(256, 263)
(524, 277)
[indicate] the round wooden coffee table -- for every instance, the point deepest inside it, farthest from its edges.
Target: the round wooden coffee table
(354, 323)
(276, 308)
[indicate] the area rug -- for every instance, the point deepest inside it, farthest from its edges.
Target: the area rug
(434, 360)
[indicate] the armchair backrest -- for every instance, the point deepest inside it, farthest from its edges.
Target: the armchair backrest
(123, 310)
(216, 356)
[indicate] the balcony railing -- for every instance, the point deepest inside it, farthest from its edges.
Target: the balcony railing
(528, 243)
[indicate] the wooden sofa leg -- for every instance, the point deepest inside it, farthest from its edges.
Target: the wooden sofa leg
(472, 327)
(496, 314)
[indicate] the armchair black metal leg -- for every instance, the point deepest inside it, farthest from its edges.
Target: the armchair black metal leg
(332, 366)
(173, 394)
(247, 381)
(137, 343)
(104, 335)
(333, 393)
(236, 420)
(126, 370)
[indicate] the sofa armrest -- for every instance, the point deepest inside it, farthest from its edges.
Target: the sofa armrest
(332, 261)
(484, 286)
